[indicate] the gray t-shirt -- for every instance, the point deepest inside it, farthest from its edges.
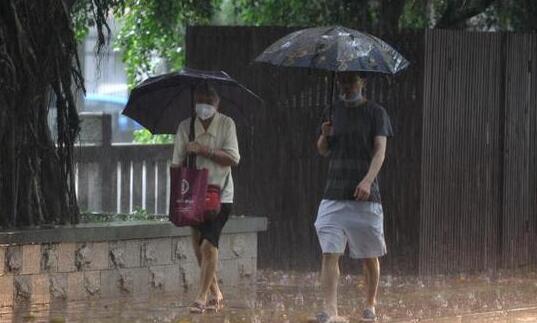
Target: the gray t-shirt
(351, 147)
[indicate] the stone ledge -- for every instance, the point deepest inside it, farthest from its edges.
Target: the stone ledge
(119, 231)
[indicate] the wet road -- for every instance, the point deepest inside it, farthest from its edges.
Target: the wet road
(289, 297)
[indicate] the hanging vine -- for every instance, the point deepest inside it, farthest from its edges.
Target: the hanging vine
(39, 68)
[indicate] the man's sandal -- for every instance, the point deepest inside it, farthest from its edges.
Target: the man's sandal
(197, 308)
(368, 316)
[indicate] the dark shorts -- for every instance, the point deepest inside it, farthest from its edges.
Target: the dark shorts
(211, 230)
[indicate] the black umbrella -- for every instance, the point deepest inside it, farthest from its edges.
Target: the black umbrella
(160, 103)
(335, 49)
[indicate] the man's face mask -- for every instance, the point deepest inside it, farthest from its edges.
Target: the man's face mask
(205, 111)
(354, 98)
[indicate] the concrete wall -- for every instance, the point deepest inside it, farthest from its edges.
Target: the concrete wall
(91, 261)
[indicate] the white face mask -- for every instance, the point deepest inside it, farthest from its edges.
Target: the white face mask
(205, 111)
(355, 98)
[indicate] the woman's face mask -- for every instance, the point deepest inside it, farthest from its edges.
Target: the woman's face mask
(205, 111)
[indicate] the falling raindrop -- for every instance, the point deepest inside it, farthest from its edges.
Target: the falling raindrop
(259, 304)
(275, 298)
(299, 299)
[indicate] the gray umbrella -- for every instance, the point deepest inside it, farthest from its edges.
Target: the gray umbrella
(336, 49)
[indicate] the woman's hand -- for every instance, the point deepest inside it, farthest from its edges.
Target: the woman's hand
(195, 148)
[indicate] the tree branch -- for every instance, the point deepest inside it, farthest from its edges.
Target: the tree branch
(459, 11)
(390, 14)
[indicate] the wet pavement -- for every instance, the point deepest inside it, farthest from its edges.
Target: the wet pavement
(292, 297)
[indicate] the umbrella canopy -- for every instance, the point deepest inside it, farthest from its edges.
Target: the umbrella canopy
(335, 49)
(160, 103)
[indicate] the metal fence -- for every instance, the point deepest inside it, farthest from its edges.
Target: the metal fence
(479, 196)
(119, 178)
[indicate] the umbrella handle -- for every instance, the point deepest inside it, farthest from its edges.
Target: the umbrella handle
(191, 158)
(332, 96)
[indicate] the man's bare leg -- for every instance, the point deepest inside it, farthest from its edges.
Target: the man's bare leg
(329, 282)
(371, 268)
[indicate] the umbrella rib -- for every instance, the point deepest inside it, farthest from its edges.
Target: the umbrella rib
(167, 106)
(316, 53)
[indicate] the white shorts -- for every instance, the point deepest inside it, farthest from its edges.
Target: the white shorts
(360, 224)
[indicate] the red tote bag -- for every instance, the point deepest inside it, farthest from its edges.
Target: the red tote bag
(188, 190)
(188, 193)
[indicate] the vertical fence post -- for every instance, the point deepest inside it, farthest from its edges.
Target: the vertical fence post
(106, 165)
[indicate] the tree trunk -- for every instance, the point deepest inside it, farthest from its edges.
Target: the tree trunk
(390, 14)
(37, 51)
(458, 12)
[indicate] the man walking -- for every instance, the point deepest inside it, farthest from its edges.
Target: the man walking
(354, 139)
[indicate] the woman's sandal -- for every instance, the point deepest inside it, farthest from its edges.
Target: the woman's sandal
(197, 308)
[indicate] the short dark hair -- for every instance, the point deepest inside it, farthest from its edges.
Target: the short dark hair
(203, 88)
(363, 75)
(353, 76)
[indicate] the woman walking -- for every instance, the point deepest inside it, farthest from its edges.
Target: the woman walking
(216, 149)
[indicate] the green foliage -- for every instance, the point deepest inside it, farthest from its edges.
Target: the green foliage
(414, 15)
(156, 28)
(227, 14)
(144, 136)
(275, 12)
(86, 14)
(139, 214)
(517, 15)
(305, 13)
(80, 14)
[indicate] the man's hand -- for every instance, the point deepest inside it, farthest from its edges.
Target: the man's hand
(362, 191)
(195, 148)
(326, 128)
